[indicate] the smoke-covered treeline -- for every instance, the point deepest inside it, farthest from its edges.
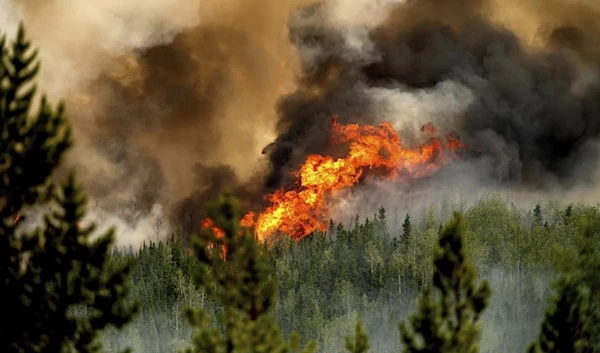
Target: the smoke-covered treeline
(373, 270)
(67, 287)
(173, 99)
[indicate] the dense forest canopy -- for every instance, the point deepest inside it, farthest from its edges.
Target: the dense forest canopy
(370, 271)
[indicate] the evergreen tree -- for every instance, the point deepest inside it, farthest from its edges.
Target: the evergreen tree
(360, 342)
(233, 272)
(381, 223)
(537, 215)
(406, 231)
(381, 214)
(56, 282)
(568, 214)
(447, 318)
(566, 327)
(572, 320)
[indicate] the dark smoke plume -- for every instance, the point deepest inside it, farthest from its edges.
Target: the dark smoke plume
(536, 109)
(154, 88)
(173, 100)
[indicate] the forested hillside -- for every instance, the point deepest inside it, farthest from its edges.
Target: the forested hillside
(371, 270)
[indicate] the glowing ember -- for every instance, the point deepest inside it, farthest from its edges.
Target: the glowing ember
(208, 223)
(298, 213)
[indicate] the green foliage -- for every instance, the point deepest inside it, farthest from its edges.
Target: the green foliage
(360, 342)
(537, 215)
(447, 320)
(325, 283)
(234, 273)
(406, 230)
(57, 283)
(572, 320)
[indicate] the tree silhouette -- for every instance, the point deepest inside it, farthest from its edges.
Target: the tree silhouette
(56, 281)
(447, 317)
(572, 320)
(233, 272)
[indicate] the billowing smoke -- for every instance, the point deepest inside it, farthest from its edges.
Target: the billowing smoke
(533, 109)
(524, 94)
(166, 97)
(173, 100)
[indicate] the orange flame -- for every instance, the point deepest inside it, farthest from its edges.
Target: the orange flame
(298, 213)
(208, 223)
(248, 220)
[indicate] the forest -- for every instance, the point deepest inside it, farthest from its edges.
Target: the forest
(490, 278)
(371, 271)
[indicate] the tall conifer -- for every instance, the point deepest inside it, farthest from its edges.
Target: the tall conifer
(233, 272)
(448, 315)
(57, 287)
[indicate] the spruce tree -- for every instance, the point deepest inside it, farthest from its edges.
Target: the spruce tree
(572, 320)
(234, 273)
(448, 315)
(407, 230)
(382, 214)
(56, 283)
(537, 215)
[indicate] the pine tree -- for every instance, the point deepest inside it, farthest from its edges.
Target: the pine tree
(360, 342)
(382, 215)
(566, 327)
(568, 215)
(407, 231)
(233, 272)
(537, 215)
(447, 317)
(572, 320)
(56, 282)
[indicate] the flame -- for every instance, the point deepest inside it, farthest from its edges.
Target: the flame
(208, 223)
(248, 220)
(299, 212)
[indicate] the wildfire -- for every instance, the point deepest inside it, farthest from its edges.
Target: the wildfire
(208, 223)
(303, 210)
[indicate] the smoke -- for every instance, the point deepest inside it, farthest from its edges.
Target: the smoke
(522, 92)
(164, 96)
(173, 100)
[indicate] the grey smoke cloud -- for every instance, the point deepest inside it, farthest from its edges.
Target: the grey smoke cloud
(529, 109)
(172, 100)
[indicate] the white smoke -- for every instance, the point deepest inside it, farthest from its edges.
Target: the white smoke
(147, 227)
(354, 19)
(78, 40)
(410, 109)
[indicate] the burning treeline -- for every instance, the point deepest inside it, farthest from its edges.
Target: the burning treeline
(302, 210)
(186, 114)
(531, 108)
